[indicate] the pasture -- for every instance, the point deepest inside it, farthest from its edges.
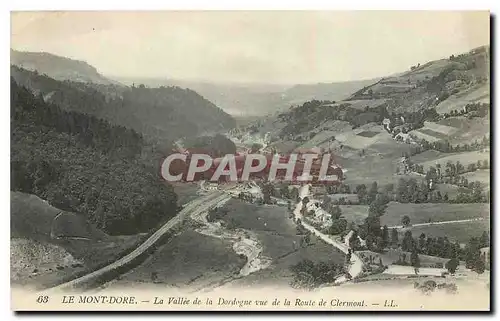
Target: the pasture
(436, 212)
(460, 231)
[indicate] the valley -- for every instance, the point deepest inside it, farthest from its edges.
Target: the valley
(89, 209)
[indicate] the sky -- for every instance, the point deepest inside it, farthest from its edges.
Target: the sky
(281, 47)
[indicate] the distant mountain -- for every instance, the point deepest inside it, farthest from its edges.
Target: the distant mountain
(335, 91)
(258, 99)
(57, 67)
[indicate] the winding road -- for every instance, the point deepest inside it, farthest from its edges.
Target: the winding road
(356, 266)
(195, 207)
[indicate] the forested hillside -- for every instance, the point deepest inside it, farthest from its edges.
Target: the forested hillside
(163, 114)
(83, 164)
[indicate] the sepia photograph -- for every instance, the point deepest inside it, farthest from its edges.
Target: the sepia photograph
(250, 160)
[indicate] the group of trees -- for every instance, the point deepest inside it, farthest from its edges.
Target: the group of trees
(306, 117)
(85, 165)
(408, 121)
(446, 147)
(215, 146)
(370, 230)
(471, 110)
(27, 109)
(442, 247)
(309, 275)
(338, 222)
(279, 190)
(410, 191)
(366, 196)
(451, 170)
(413, 191)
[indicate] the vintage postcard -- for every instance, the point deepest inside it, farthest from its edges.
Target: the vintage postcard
(250, 160)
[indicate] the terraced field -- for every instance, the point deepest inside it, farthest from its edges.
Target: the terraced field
(479, 93)
(464, 158)
(460, 231)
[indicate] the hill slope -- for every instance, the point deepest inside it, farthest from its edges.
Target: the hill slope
(165, 113)
(83, 164)
(428, 93)
(58, 67)
(259, 99)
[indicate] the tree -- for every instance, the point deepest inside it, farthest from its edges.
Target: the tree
(348, 256)
(267, 190)
(354, 242)
(373, 192)
(284, 191)
(385, 235)
(336, 212)
(421, 242)
(407, 243)
(379, 244)
(415, 260)
(479, 266)
(452, 265)
(294, 194)
(484, 240)
(378, 206)
(338, 226)
(394, 237)
(326, 202)
(405, 221)
(255, 148)
(361, 191)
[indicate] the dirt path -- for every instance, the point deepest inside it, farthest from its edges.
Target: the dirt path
(356, 266)
(439, 223)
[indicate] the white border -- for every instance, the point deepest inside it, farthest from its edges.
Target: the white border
(190, 5)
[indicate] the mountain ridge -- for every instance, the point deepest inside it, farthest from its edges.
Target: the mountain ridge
(58, 67)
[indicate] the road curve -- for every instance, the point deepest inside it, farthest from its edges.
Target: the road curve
(356, 266)
(199, 205)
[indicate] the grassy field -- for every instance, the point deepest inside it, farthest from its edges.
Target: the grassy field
(452, 190)
(185, 191)
(464, 158)
(434, 131)
(421, 213)
(469, 130)
(34, 218)
(353, 198)
(482, 175)
(363, 137)
(479, 93)
(277, 233)
(188, 260)
(460, 232)
(354, 213)
(391, 255)
(365, 170)
(58, 257)
(196, 261)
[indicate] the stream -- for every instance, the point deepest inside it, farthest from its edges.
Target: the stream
(244, 242)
